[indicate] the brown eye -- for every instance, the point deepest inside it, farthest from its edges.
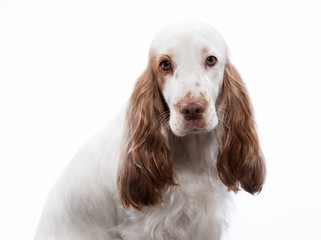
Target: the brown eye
(165, 65)
(211, 60)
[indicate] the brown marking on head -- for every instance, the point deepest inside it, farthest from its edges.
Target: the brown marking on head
(186, 99)
(205, 50)
(160, 75)
(189, 98)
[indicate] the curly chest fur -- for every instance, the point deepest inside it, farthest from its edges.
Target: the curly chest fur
(195, 209)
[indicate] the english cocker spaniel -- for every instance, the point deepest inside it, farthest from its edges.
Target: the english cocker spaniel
(167, 166)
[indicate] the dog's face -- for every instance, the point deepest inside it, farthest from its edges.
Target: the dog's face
(190, 85)
(189, 62)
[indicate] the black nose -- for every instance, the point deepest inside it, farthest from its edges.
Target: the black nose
(192, 111)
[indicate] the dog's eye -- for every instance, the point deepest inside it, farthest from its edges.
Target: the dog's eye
(165, 65)
(211, 60)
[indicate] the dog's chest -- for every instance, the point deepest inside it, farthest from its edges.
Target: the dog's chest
(187, 212)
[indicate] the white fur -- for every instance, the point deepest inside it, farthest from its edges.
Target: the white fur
(84, 203)
(185, 43)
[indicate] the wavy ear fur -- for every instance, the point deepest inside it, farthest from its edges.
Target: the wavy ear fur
(146, 165)
(240, 161)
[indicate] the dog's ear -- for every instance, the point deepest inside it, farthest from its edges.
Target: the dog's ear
(240, 161)
(146, 166)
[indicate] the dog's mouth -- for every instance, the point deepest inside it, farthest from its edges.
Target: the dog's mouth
(195, 125)
(191, 127)
(181, 126)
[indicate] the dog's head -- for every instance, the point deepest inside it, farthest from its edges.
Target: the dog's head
(188, 87)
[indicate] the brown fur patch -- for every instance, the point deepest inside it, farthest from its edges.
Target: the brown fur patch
(189, 98)
(160, 74)
(240, 161)
(146, 168)
(205, 50)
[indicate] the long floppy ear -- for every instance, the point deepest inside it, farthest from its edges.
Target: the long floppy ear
(146, 166)
(240, 161)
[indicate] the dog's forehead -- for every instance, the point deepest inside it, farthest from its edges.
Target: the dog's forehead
(189, 37)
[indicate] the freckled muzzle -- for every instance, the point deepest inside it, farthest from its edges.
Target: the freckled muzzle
(192, 115)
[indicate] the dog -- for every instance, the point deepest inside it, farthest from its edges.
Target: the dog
(166, 167)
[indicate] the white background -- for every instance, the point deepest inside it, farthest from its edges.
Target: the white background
(67, 66)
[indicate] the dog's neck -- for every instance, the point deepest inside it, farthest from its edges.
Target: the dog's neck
(196, 152)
